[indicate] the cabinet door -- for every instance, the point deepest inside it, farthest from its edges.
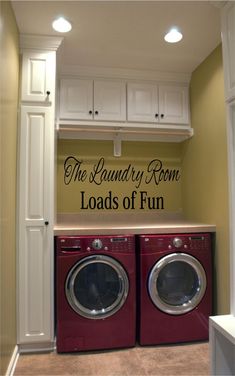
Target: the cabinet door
(109, 100)
(38, 76)
(35, 255)
(76, 99)
(173, 105)
(142, 102)
(228, 42)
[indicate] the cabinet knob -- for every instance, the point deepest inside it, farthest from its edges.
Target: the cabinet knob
(46, 223)
(48, 93)
(162, 116)
(90, 112)
(156, 115)
(96, 112)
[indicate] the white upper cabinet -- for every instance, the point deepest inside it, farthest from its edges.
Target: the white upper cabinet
(85, 99)
(109, 100)
(142, 102)
(173, 105)
(38, 72)
(157, 104)
(228, 43)
(76, 99)
(122, 108)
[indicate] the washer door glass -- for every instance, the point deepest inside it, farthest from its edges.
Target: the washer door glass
(177, 283)
(97, 287)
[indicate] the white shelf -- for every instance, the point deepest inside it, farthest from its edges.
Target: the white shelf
(124, 131)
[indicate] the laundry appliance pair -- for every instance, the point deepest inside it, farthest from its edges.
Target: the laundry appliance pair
(112, 290)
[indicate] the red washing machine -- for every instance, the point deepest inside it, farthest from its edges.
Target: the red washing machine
(95, 292)
(175, 288)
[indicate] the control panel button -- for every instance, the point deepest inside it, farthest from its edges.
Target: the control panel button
(97, 244)
(177, 242)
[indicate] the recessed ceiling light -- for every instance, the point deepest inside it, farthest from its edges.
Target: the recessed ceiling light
(61, 25)
(173, 36)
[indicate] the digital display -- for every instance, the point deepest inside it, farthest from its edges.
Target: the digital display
(197, 238)
(72, 248)
(116, 240)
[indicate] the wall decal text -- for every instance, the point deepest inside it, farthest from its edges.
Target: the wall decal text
(74, 171)
(98, 173)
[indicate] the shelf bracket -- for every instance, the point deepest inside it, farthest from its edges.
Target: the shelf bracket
(117, 145)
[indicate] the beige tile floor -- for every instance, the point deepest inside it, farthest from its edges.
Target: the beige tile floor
(182, 359)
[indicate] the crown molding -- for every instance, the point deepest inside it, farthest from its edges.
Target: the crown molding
(40, 42)
(218, 4)
(67, 71)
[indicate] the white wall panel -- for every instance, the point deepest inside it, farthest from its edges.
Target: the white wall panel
(228, 44)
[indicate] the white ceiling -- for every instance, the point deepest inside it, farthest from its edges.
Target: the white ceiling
(127, 34)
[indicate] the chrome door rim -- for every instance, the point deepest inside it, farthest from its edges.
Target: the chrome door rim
(121, 297)
(152, 284)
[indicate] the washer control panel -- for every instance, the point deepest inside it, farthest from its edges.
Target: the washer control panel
(103, 243)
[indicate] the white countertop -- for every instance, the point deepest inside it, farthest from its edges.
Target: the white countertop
(225, 324)
(126, 223)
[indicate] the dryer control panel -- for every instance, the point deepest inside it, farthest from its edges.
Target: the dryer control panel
(175, 242)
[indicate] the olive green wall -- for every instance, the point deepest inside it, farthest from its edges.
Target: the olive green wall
(205, 174)
(136, 155)
(9, 68)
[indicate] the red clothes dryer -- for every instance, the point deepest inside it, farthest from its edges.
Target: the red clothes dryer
(175, 288)
(95, 292)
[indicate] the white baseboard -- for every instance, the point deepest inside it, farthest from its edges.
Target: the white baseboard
(13, 361)
(36, 347)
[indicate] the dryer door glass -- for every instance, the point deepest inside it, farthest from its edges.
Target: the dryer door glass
(177, 283)
(97, 287)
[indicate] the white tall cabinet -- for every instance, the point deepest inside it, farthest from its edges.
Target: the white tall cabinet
(222, 328)
(36, 193)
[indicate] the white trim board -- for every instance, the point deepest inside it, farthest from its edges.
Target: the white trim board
(40, 42)
(13, 362)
